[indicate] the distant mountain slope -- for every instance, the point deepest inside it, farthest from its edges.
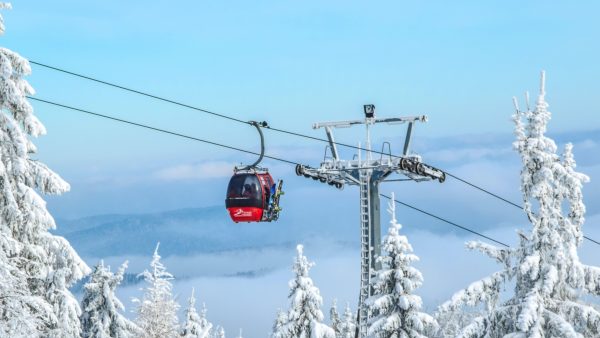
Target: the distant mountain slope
(180, 232)
(129, 279)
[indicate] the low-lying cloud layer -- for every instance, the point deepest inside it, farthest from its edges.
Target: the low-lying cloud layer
(236, 299)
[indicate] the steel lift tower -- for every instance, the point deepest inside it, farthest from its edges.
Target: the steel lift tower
(368, 172)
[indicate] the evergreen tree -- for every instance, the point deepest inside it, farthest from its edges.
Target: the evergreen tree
(334, 316)
(220, 332)
(157, 310)
(279, 325)
(549, 278)
(101, 317)
(36, 267)
(19, 312)
(452, 323)
(347, 327)
(196, 326)
(304, 317)
(394, 307)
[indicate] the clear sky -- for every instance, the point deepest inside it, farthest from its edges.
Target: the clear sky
(293, 63)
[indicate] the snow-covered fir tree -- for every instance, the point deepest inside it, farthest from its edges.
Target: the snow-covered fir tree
(304, 318)
(20, 316)
(549, 278)
(196, 325)
(347, 326)
(36, 267)
(344, 326)
(452, 323)
(278, 325)
(220, 332)
(157, 310)
(101, 317)
(334, 317)
(394, 307)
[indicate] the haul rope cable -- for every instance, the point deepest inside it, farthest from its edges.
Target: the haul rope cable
(271, 128)
(245, 151)
(157, 129)
(444, 220)
(156, 97)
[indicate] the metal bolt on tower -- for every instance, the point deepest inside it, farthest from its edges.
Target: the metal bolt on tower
(368, 173)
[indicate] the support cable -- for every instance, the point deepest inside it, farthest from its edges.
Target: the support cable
(110, 84)
(446, 221)
(135, 91)
(244, 151)
(156, 97)
(159, 129)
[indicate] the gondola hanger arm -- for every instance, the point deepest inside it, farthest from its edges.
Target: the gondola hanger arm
(258, 126)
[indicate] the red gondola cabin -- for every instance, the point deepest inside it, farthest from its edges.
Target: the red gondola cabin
(249, 195)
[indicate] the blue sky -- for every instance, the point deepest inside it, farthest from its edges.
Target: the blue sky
(295, 63)
(292, 64)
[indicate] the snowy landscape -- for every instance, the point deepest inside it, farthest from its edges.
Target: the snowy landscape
(117, 227)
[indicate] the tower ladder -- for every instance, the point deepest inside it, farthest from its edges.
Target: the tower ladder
(365, 251)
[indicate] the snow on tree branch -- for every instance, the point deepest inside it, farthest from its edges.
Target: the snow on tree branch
(101, 315)
(42, 266)
(501, 255)
(304, 317)
(549, 278)
(347, 326)
(196, 326)
(394, 307)
(484, 291)
(592, 279)
(157, 310)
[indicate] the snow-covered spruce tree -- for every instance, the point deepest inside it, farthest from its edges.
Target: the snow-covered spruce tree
(220, 332)
(157, 310)
(334, 317)
(101, 317)
(347, 327)
(279, 325)
(38, 268)
(304, 318)
(19, 313)
(452, 323)
(549, 278)
(196, 326)
(394, 307)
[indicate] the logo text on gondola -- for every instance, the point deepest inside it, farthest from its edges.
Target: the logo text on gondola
(242, 213)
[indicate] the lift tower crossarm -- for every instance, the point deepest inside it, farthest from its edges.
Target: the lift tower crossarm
(370, 120)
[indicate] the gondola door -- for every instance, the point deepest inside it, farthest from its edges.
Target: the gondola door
(245, 198)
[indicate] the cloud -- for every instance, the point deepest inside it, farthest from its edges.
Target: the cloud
(251, 303)
(201, 171)
(466, 154)
(586, 144)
